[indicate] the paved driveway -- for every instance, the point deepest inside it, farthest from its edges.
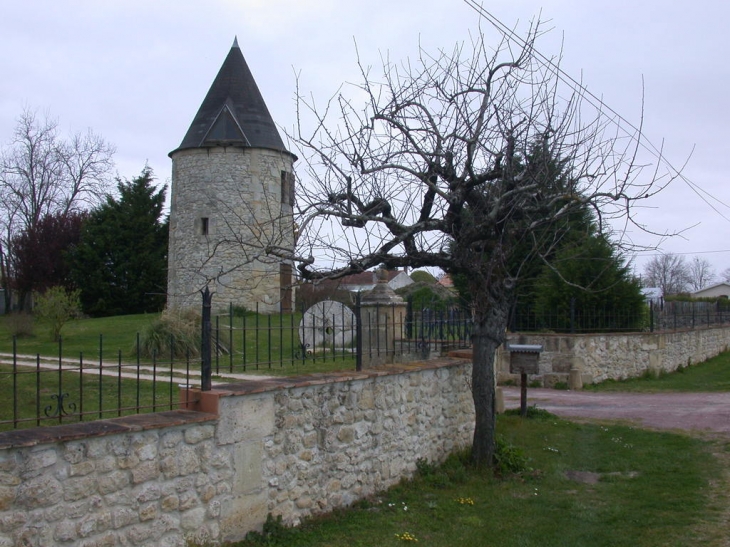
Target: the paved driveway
(708, 412)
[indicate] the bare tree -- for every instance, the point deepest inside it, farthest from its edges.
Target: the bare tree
(669, 272)
(701, 273)
(447, 164)
(42, 174)
(725, 275)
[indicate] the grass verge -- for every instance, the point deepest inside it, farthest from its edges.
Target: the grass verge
(712, 375)
(583, 485)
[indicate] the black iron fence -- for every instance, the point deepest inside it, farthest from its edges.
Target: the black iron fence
(674, 315)
(655, 316)
(50, 390)
(61, 389)
(44, 390)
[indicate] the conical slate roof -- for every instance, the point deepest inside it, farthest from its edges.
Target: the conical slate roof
(233, 112)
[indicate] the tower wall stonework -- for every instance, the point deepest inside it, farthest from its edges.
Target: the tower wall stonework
(226, 208)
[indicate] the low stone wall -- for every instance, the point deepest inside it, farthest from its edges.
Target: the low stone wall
(600, 357)
(290, 447)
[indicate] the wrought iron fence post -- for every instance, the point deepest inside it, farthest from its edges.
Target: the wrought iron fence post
(409, 317)
(651, 316)
(206, 369)
(572, 315)
(358, 331)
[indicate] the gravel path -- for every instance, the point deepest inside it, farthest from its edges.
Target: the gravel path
(699, 412)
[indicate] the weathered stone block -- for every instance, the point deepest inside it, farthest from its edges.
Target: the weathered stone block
(145, 471)
(245, 418)
(37, 461)
(188, 461)
(247, 466)
(194, 435)
(39, 492)
(242, 514)
(149, 492)
(123, 516)
(148, 512)
(78, 488)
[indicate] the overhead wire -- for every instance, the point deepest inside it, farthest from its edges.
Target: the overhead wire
(598, 103)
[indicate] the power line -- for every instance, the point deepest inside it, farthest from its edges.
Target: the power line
(598, 103)
(654, 253)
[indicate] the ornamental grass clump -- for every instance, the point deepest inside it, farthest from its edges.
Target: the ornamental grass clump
(174, 333)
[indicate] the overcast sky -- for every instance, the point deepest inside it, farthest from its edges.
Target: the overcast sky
(136, 71)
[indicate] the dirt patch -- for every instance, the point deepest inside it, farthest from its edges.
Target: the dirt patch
(589, 477)
(586, 477)
(702, 415)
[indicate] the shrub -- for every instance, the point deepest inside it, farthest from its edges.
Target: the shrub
(275, 532)
(509, 459)
(174, 332)
(422, 276)
(57, 306)
(533, 413)
(239, 310)
(19, 324)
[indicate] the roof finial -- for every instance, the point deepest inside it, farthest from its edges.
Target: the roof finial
(235, 42)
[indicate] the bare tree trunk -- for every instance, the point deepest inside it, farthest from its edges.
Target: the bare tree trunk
(489, 334)
(4, 284)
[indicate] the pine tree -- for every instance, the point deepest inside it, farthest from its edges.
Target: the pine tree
(120, 263)
(590, 277)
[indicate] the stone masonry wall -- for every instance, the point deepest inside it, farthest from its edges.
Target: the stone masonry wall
(291, 447)
(616, 356)
(335, 444)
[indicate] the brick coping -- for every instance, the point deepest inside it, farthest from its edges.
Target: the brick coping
(198, 406)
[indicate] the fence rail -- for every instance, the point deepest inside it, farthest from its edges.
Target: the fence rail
(42, 390)
(62, 389)
(656, 316)
(56, 390)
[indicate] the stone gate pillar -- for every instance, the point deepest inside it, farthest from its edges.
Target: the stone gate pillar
(383, 315)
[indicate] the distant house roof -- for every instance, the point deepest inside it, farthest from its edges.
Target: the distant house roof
(233, 112)
(717, 290)
(365, 281)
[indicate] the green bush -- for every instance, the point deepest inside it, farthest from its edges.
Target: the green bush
(273, 533)
(509, 459)
(174, 332)
(57, 306)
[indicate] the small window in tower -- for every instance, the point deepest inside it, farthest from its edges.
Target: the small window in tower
(204, 226)
(287, 188)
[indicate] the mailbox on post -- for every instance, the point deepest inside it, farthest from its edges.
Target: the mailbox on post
(523, 360)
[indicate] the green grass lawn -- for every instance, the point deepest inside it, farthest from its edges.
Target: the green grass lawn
(80, 336)
(712, 375)
(256, 344)
(583, 485)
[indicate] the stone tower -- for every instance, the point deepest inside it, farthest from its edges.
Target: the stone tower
(231, 197)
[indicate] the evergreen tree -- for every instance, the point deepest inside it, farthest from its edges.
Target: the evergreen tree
(537, 247)
(120, 263)
(590, 277)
